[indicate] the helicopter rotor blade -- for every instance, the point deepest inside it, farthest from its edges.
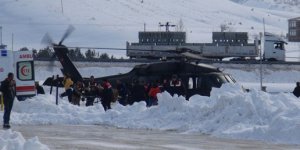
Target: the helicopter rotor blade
(67, 33)
(47, 40)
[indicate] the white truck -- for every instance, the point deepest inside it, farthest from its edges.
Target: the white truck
(224, 45)
(21, 64)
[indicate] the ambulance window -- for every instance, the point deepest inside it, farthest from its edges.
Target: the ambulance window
(25, 70)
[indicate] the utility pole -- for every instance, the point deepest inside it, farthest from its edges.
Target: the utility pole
(12, 41)
(262, 48)
(1, 44)
(62, 6)
(260, 60)
(1, 35)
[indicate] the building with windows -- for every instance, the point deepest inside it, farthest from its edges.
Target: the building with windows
(294, 30)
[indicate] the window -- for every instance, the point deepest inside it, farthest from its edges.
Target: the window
(293, 24)
(191, 83)
(25, 70)
(199, 82)
(279, 46)
(293, 33)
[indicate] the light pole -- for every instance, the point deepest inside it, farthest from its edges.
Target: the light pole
(260, 61)
(0, 35)
(62, 6)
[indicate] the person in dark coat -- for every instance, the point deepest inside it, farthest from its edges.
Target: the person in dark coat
(296, 91)
(8, 89)
(122, 91)
(138, 92)
(107, 95)
(91, 92)
(176, 86)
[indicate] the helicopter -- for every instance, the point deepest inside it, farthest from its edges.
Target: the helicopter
(196, 78)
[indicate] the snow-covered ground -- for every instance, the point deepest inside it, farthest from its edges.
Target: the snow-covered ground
(12, 140)
(228, 113)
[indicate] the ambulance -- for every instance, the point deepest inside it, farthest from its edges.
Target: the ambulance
(21, 64)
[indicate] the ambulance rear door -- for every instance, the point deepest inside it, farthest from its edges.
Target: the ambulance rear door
(24, 74)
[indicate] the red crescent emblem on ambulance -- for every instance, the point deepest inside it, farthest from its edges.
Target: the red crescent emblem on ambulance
(24, 71)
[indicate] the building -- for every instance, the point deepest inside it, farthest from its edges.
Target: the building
(162, 38)
(294, 30)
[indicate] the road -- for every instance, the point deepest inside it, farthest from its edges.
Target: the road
(94, 137)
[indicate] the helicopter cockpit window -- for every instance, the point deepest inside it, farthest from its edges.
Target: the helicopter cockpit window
(215, 81)
(229, 79)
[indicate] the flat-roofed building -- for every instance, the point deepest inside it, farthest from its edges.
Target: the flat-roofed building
(294, 30)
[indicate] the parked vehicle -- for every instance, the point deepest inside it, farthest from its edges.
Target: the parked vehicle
(21, 64)
(158, 45)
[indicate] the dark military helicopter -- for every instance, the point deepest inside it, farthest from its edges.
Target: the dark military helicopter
(195, 78)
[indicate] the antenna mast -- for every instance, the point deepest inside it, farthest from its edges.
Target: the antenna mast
(167, 25)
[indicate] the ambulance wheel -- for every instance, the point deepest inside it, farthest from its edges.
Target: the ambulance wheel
(21, 98)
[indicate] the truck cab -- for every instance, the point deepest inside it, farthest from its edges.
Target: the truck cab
(274, 47)
(21, 64)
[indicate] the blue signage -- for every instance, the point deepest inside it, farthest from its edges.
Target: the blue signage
(3, 52)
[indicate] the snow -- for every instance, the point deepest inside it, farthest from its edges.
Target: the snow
(229, 112)
(12, 140)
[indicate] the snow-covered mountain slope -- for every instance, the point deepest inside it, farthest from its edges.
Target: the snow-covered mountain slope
(110, 23)
(283, 5)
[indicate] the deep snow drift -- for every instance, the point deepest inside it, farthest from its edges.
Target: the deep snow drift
(229, 112)
(11, 140)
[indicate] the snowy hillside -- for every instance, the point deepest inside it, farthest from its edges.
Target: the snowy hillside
(110, 23)
(284, 5)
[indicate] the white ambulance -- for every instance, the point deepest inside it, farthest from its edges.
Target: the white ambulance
(21, 64)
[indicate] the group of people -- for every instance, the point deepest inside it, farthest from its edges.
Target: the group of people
(88, 91)
(125, 94)
(147, 91)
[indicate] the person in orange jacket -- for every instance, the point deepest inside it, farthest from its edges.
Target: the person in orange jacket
(154, 90)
